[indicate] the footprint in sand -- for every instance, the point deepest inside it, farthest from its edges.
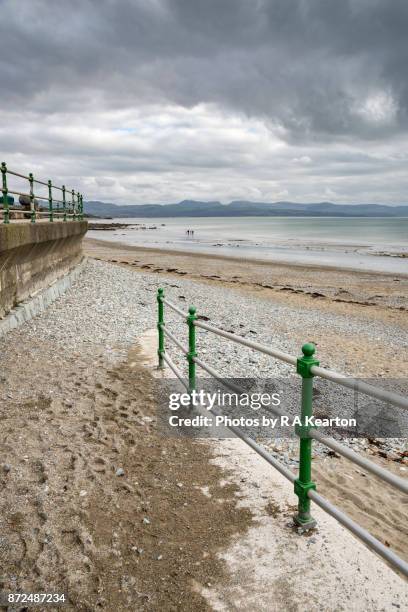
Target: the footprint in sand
(99, 465)
(38, 471)
(111, 393)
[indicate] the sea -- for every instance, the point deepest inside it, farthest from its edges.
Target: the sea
(362, 243)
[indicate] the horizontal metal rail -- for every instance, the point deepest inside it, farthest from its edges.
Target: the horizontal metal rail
(250, 343)
(39, 213)
(257, 448)
(366, 389)
(37, 197)
(175, 369)
(7, 206)
(23, 176)
(342, 518)
(55, 202)
(307, 367)
(45, 213)
(370, 466)
(40, 182)
(174, 307)
(56, 212)
(19, 193)
(18, 174)
(358, 385)
(264, 454)
(216, 375)
(361, 533)
(236, 430)
(174, 339)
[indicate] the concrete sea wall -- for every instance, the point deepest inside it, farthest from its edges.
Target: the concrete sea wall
(35, 255)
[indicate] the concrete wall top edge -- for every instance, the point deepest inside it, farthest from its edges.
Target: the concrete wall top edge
(15, 235)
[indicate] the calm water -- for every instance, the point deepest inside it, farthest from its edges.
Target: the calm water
(361, 243)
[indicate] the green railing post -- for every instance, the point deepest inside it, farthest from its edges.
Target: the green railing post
(160, 322)
(191, 348)
(304, 481)
(32, 203)
(51, 212)
(82, 207)
(73, 205)
(64, 204)
(57, 207)
(6, 210)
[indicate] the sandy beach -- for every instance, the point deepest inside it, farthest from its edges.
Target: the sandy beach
(351, 316)
(92, 491)
(359, 296)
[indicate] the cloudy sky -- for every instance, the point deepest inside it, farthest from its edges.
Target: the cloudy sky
(137, 101)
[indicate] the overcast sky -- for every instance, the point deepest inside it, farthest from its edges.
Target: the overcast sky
(138, 101)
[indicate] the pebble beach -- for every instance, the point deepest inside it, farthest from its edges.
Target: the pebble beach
(100, 319)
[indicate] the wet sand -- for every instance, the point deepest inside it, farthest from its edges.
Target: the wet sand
(379, 299)
(383, 291)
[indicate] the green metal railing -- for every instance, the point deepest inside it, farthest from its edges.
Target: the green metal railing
(56, 208)
(307, 367)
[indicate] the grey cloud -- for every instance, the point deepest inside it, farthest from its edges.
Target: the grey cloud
(305, 65)
(216, 157)
(164, 99)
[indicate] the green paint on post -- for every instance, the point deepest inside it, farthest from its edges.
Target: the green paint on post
(64, 203)
(6, 209)
(50, 210)
(32, 203)
(73, 205)
(160, 323)
(304, 481)
(191, 348)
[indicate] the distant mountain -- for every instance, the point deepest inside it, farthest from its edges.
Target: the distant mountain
(242, 208)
